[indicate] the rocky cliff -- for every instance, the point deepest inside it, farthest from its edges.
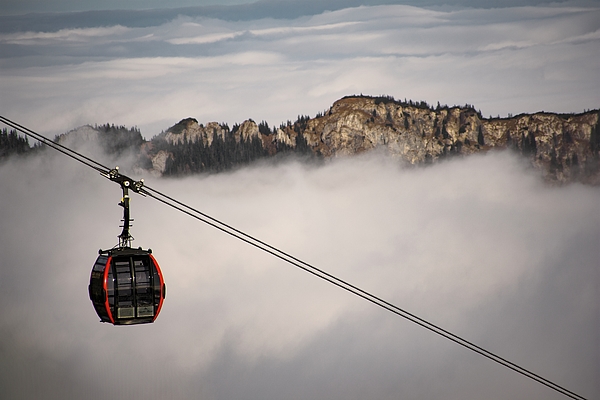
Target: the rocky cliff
(565, 147)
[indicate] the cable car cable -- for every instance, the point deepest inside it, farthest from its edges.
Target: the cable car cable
(138, 187)
(57, 146)
(361, 293)
(374, 299)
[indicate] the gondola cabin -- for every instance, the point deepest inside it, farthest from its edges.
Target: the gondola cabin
(127, 286)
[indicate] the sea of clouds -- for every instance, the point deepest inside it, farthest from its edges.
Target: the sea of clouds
(479, 245)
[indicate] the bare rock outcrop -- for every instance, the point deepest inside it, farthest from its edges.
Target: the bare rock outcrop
(189, 131)
(564, 146)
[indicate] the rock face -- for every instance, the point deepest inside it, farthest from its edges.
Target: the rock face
(564, 146)
(190, 147)
(189, 131)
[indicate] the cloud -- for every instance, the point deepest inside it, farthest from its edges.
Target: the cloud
(477, 245)
(62, 36)
(508, 60)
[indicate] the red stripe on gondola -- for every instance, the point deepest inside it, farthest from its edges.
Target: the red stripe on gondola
(105, 286)
(162, 282)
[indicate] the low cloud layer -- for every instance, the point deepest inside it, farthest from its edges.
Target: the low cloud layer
(478, 245)
(505, 60)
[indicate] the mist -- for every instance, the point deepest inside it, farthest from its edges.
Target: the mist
(478, 245)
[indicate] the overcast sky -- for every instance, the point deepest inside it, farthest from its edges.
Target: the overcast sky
(479, 245)
(15, 7)
(153, 68)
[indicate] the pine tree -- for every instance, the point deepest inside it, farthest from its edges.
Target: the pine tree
(480, 139)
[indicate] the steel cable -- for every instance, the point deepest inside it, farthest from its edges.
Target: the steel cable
(354, 290)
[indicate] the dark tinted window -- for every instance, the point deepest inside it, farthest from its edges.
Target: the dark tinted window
(143, 287)
(124, 289)
(100, 263)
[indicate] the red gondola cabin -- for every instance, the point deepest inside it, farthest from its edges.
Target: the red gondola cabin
(127, 286)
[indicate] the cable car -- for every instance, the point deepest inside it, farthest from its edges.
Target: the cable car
(126, 284)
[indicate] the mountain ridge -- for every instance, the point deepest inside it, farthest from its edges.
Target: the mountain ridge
(563, 147)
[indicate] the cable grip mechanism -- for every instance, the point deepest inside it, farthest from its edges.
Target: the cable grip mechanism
(126, 183)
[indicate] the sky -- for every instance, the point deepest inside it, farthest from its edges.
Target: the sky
(480, 245)
(16, 7)
(152, 68)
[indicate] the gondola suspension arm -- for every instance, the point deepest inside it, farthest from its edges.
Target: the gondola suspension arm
(126, 183)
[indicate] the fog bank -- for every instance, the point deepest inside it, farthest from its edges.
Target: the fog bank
(478, 245)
